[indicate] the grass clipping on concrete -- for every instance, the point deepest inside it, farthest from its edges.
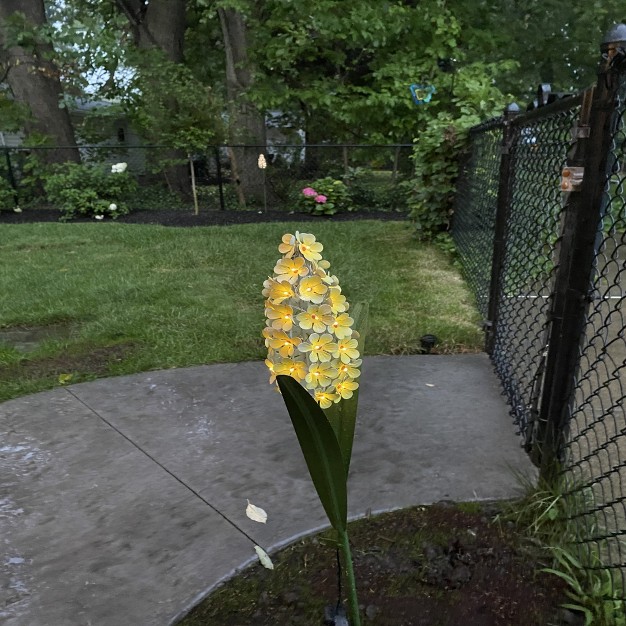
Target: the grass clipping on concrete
(130, 298)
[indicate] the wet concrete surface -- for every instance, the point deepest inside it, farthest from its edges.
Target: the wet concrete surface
(122, 501)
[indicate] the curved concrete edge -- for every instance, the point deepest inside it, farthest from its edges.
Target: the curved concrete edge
(136, 487)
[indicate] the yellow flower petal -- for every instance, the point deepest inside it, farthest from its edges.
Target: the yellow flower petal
(309, 248)
(288, 246)
(291, 269)
(346, 388)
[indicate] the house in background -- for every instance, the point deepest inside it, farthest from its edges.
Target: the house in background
(102, 126)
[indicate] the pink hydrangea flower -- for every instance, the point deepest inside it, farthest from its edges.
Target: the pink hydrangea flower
(320, 198)
(309, 192)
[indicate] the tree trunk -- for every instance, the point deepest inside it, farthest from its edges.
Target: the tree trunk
(158, 24)
(246, 122)
(161, 24)
(34, 82)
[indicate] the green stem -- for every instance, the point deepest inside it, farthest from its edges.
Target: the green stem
(347, 557)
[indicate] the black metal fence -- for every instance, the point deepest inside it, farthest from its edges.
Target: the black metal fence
(374, 174)
(540, 225)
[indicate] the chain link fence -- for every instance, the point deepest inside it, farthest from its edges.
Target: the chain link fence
(474, 224)
(375, 175)
(540, 225)
(594, 447)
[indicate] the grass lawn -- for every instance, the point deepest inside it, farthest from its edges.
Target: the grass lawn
(117, 299)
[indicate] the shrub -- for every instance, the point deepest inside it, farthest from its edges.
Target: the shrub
(155, 196)
(87, 190)
(209, 196)
(326, 197)
(436, 154)
(7, 200)
(376, 191)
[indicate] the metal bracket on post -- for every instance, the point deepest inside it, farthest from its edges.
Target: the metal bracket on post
(572, 178)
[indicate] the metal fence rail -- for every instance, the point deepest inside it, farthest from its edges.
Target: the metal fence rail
(547, 262)
(374, 173)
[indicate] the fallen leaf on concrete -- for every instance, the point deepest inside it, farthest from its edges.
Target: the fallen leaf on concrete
(256, 513)
(264, 558)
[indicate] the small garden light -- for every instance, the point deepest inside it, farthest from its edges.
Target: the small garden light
(428, 342)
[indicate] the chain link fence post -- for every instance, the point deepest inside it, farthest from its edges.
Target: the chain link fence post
(583, 181)
(502, 217)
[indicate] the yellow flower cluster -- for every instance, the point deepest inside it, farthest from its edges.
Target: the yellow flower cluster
(308, 331)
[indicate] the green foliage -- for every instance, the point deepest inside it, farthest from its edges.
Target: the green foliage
(592, 592)
(154, 197)
(327, 447)
(342, 415)
(432, 192)
(7, 201)
(555, 42)
(544, 514)
(446, 244)
(210, 196)
(169, 106)
(343, 71)
(376, 190)
(327, 197)
(539, 513)
(89, 190)
(441, 144)
(19, 30)
(13, 115)
(28, 172)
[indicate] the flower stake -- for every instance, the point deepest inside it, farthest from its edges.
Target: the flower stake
(262, 163)
(314, 353)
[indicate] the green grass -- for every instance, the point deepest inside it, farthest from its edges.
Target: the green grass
(136, 298)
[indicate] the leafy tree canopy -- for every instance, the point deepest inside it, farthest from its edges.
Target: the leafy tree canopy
(340, 69)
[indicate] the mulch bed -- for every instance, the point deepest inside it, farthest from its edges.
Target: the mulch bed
(426, 566)
(205, 218)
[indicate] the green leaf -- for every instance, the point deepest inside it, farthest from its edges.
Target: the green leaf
(342, 415)
(320, 449)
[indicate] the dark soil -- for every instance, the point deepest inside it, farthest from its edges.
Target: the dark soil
(76, 364)
(94, 362)
(205, 218)
(443, 565)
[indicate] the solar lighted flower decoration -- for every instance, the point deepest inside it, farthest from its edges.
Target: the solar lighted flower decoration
(315, 341)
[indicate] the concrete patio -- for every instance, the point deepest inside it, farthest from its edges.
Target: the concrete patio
(122, 501)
